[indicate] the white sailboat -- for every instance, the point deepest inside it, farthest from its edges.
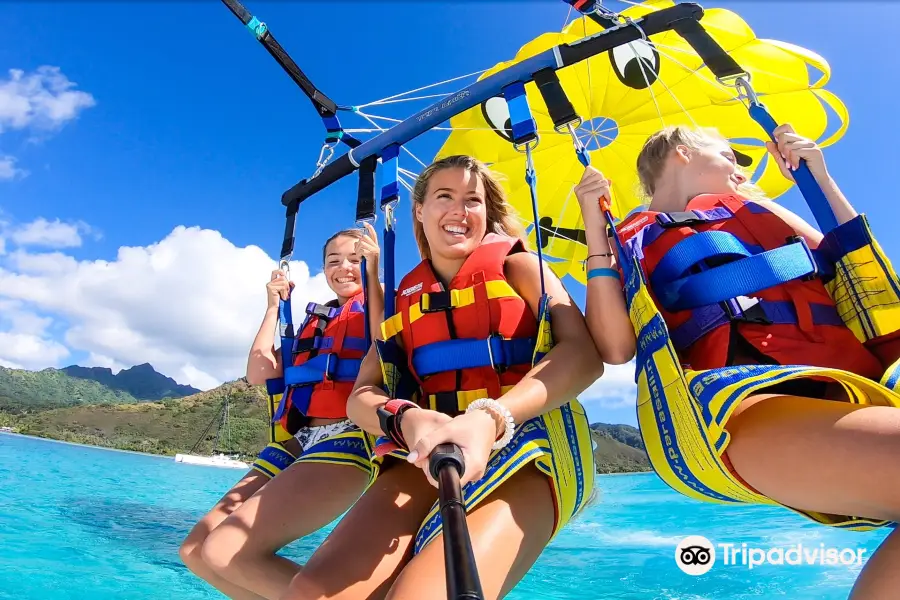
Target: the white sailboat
(214, 459)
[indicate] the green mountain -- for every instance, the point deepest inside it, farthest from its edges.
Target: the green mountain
(166, 427)
(24, 391)
(141, 381)
(628, 435)
(619, 449)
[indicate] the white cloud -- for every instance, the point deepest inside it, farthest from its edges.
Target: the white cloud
(30, 351)
(8, 168)
(42, 100)
(615, 389)
(51, 234)
(24, 339)
(190, 304)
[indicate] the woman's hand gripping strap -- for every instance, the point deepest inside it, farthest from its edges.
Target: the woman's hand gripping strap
(806, 183)
(287, 335)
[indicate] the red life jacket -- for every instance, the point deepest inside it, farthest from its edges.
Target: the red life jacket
(474, 339)
(791, 322)
(327, 355)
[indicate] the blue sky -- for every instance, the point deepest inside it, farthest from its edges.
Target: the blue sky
(177, 118)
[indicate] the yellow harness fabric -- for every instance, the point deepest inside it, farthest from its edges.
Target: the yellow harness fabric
(683, 414)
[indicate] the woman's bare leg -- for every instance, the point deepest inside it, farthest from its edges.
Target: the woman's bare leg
(190, 550)
(369, 547)
(830, 457)
(509, 530)
(299, 501)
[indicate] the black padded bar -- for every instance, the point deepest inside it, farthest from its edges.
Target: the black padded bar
(336, 170)
(365, 201)
(714, 56)
(651, 24)
(561, 110)
(287, 246)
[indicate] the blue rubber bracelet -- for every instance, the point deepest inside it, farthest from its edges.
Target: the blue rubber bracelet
(605, 272)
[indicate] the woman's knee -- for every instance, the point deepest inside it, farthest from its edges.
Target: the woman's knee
(189, 553)
(221, 548)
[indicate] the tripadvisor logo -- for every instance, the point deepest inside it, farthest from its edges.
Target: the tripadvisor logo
(696, 555)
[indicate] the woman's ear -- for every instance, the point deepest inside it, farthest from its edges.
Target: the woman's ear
(683, 153)
(419, 213)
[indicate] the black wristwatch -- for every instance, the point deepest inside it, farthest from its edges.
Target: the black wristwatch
(389, 415)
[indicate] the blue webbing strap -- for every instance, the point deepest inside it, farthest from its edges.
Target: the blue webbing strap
(323, 366)
(524, 131)
(739, 278)
(390, 194)
(809, 188)
(276, 385)
(286, 332)
(695, 249)
(460, 354)
(334, 130)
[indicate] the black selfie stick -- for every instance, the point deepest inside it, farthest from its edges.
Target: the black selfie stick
(446, 465)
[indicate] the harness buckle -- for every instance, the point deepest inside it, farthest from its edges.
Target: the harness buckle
(496, 365)
(437, 301)
(678, 219)
(330, 367)
(752, 311)
(319, 310)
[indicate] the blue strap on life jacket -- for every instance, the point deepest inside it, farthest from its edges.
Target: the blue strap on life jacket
(749, 273)
(320, 368)
(459, 354)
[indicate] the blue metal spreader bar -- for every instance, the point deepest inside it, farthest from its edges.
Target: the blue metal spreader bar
(555, 58)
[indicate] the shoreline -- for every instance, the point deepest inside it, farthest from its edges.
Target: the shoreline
(625, 473)
(56, 441)
(172, 458)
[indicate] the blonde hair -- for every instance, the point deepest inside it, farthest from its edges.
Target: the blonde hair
(501, 216)
(652, 157)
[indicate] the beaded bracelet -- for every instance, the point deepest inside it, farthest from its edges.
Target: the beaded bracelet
(495, 408)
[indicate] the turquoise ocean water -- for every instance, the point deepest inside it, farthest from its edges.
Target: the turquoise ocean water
(82, 523)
